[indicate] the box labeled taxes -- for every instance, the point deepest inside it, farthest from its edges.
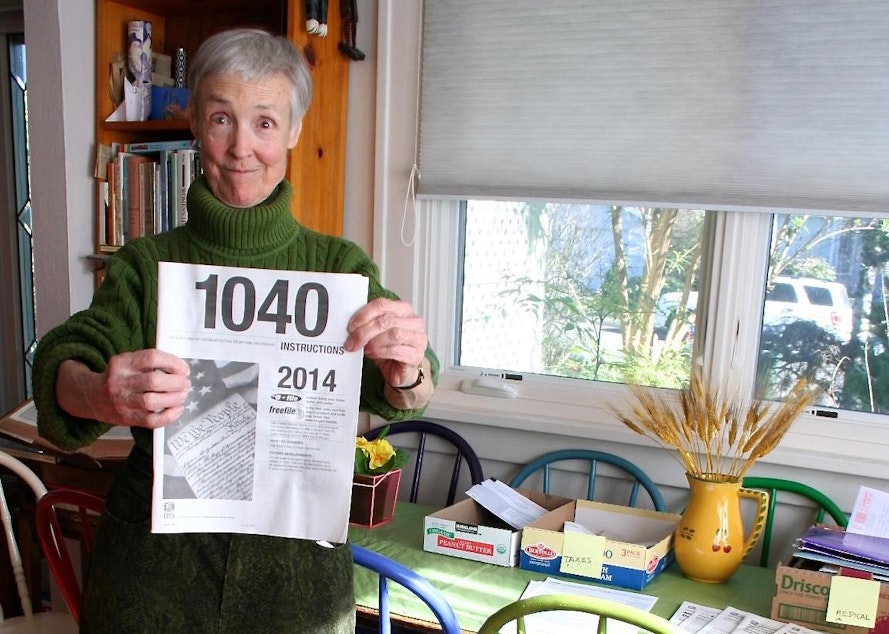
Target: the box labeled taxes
(613, 544)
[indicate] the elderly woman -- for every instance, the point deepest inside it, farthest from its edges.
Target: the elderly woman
(100, 368)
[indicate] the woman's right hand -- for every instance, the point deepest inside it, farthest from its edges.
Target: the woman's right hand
(146, 388)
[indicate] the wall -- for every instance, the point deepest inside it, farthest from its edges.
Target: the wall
(358, 207)
(60, 111)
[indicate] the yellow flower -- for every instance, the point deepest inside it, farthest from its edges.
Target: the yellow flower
(379, 452)
(377, 456)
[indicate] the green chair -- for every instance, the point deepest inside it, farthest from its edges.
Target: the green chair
(605, 609)
(638, 478)
(824, 505)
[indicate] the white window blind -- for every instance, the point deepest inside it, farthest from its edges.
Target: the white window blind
(726, 104)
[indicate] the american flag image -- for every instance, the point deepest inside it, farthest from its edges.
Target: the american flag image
(212, 381)
(215, 385)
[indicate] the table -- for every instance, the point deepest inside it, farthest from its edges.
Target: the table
(475, 590)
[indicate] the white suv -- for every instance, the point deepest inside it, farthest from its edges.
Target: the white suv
(790, 299)
(807, 299)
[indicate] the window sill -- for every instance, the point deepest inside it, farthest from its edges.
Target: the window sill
(543, 406)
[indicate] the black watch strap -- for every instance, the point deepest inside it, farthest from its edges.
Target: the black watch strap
(420, 378)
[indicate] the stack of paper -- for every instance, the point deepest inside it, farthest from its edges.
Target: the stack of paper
(700, 619)
(836, 548)
(506, 503)
(863, 546)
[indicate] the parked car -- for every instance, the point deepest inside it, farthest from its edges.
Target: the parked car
(789, 299)
(807, 299)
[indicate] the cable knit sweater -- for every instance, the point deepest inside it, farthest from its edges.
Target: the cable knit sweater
(122, 316)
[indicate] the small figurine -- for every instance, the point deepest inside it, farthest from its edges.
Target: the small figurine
(316, 17)
(115, 80)
(349, 13)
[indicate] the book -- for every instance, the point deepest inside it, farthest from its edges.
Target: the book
(186, 161)
(118, 191)
(135, 203)
(157, 146)
(103, 156)
(147, 203)
(159, 209)
(102, 213)
(165, 201)
(113, 235)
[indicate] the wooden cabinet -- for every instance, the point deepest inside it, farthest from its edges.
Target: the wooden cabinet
(317, 164)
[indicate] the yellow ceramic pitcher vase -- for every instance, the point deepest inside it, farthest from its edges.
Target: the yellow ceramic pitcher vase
(710, 541)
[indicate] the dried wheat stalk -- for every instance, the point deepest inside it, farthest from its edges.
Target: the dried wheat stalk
(717, 436)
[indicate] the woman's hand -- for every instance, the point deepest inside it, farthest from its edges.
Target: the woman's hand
(391, 334)
(394, 336)
(146, 388)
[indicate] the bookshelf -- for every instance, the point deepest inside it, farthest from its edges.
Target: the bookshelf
(317, 164)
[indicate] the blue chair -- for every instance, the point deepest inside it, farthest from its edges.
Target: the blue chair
(640, 478)
(463, 451)
(388, 569)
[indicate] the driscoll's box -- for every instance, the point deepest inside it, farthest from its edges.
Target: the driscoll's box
(468, 530)
(801, 597)
(629, 547)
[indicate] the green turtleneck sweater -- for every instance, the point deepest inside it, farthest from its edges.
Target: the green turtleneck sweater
(123, 314)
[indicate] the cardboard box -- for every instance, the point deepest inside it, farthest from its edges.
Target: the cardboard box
(468, 530)
(801, 597)
(633, 545)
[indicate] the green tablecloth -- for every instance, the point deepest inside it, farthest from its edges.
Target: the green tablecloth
(476, 590)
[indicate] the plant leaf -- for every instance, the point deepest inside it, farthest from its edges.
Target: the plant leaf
(361, 462)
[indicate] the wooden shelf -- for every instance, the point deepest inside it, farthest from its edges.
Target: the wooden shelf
(148, 128)
(317, 165)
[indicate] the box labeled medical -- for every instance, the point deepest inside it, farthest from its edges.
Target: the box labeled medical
(801, 597)
(621, 546)
(468, 530)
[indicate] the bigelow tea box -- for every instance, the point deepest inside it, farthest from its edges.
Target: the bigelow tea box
(627, 547)
(468, 530)
(801, 597)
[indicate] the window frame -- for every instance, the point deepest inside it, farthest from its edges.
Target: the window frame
(414, 244)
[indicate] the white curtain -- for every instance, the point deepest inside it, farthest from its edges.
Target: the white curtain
(720, 104)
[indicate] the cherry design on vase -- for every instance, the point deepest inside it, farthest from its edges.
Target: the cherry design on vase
(719, 539)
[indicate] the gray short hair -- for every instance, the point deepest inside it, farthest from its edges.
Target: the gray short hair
(253, 54)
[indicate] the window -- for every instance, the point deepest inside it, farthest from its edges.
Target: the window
(825, 314)
(742, 251)
(577, 291)
(729, 334)
(17, 323)
(548, 289)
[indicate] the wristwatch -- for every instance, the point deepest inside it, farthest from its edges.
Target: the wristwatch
(420, 377)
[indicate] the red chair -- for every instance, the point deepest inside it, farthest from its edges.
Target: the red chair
(69, 504)
(30, 622)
